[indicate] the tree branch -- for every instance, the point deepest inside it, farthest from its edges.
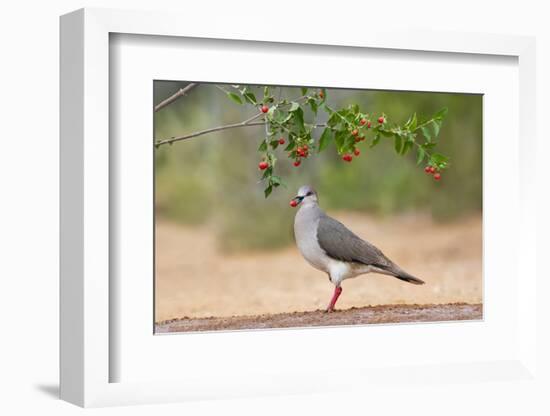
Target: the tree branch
(245, 123)
(180, 93)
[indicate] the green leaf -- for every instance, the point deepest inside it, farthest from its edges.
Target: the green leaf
(439, 159)
(276, 180)
(431, 129)
(263, 146)
(406, 147)
(274, 144)
(277, 115)
(333, 120)
(287, 118)
(250, 97)
(234, 97)
(303, 90)
(268, 172)
(420, 155)
(268, 190)
(313, 105)
(376, 140)
(325, 139)
(398, 144)
(441, 114)
(298, 117)
(307, 136)
(427, 133)
(436, 126)
(293, 107)
(350, 141)
(340, 139)
(347, 115)
(411, 123)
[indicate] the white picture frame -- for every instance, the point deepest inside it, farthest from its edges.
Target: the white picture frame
(87, 309)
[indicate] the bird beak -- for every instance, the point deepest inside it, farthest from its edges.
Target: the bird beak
(296, 201)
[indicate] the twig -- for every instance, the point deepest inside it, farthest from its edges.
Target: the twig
(180, 93)
(245, 123)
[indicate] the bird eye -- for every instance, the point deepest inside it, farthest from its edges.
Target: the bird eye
(309, 193)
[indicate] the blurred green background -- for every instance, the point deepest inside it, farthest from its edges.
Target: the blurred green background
(214, 179)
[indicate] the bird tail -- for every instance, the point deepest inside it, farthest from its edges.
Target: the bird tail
(410, 279)
(403, 275)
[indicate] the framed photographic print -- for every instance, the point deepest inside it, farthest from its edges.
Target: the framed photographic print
(247, 215)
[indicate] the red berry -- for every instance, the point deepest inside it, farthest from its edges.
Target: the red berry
(297, 162)
(321, 95)
(354, 132)
(369, 124)
(432, 169)
(264, 109)
(437, 176)
(281, 141)
(263, 165)
(428, 169)
(293, 203)
(306, 148)
(381, 120)
(358, 139)
(347, 157)
(363, 122)
(356, 152)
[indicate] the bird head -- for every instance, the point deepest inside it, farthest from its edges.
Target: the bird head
(306, 194)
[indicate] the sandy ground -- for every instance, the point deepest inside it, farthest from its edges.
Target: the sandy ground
(354, 316)
(195, 280)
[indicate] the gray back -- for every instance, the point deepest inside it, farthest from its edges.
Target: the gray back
(342, 244)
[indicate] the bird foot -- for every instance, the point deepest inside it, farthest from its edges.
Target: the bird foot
(337, 292)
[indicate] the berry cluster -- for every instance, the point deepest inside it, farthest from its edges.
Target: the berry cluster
(363, 122)
(301, 152)
(432, 170)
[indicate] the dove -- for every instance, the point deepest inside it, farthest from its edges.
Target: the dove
(329, 246)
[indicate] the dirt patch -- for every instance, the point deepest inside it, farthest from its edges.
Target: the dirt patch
(195, 279)
(354, 316)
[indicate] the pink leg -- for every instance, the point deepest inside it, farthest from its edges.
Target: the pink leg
(337, 292)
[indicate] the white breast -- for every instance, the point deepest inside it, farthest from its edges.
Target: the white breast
(305, 231)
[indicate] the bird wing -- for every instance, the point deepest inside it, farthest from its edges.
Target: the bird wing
(342, 244)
